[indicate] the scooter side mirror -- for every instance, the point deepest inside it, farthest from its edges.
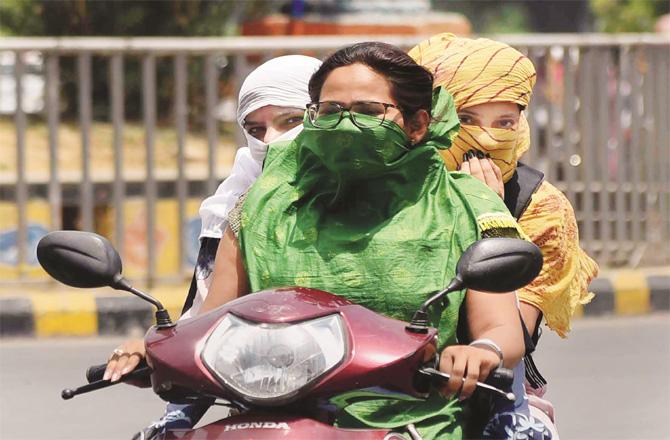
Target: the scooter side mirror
(495, 265)
(80, 259)
(499, 264)
(85, 259)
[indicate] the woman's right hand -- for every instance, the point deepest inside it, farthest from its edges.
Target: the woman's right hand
(124, 359)
(466, 364)
(481, 166)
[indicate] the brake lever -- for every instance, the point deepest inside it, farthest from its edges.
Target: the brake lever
(432, 372)
(139, 373)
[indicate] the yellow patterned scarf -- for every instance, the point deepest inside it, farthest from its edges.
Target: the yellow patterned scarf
(481, 71)
(477, 72)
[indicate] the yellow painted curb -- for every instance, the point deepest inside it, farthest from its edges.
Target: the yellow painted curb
(65, 314)
(631, 293)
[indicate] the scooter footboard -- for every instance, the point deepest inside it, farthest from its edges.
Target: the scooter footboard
(268, 426)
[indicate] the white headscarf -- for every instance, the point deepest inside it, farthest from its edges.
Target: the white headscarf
(283, 82)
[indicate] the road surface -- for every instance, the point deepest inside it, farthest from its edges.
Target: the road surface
(610, 380)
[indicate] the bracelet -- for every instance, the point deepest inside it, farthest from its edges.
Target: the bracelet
(485, 342)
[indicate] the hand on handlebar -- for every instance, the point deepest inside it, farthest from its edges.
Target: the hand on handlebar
(124, 359)
(466, 362)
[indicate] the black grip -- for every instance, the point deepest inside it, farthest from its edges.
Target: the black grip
(501, 378)
(95, 372)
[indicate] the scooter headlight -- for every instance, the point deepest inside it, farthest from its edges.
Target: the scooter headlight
(270, 363)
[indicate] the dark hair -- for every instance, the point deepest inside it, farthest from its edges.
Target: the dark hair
(411, 84)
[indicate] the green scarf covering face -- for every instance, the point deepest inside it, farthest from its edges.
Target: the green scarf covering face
(336, 161)
(355, 153)
(372, 221)
(340, 159)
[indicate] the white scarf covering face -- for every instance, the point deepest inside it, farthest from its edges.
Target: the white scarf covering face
(282, 82)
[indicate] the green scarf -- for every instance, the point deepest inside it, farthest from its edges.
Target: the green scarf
(359, 213)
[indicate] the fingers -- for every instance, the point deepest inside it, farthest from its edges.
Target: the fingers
(496, 168)
(481, 166)
(464, 372)
(466, 365)
(111, 367)
(126, 364)
(121, 365)
(471, 378)
(446, 364)
(499, 177)
(489, 176)
(124, 359)
(475, 168)
(465, 166)
(489, 361)
(458, 370)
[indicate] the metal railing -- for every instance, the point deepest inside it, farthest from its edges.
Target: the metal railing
(600, 122)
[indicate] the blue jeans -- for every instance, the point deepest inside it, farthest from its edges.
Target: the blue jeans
(512, 420)
(181, 416)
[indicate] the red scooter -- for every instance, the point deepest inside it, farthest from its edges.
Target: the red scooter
(277, 356)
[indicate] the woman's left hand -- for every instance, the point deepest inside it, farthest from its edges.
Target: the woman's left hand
(482, 167)
(466, 362)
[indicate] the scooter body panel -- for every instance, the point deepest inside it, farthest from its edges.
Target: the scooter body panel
(380, 352)
(268, 427)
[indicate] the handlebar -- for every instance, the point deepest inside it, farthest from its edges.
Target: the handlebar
(501, 378)
(498, 380)
(95, 372)
(139, 377)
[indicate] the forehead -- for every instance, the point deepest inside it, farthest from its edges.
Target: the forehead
(356, 82)
(493, 109)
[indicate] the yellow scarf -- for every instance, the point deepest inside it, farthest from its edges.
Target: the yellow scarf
(499, 143)
(477, 72)
(481, 71)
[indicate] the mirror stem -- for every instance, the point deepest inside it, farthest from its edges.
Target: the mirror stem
(419, 323)
(162, 316)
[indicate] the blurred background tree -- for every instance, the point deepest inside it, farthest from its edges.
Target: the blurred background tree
(223, 17)
(125, 17)
(79, 18)
(628, 15)
(518, 16)
(489, 16)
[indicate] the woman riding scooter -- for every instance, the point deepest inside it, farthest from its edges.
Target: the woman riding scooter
(361, 205)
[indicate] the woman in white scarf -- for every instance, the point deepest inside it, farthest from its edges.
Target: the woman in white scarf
(271, 105)
(270, 108)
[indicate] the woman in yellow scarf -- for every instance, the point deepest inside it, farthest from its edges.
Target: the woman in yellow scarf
(492, 83)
